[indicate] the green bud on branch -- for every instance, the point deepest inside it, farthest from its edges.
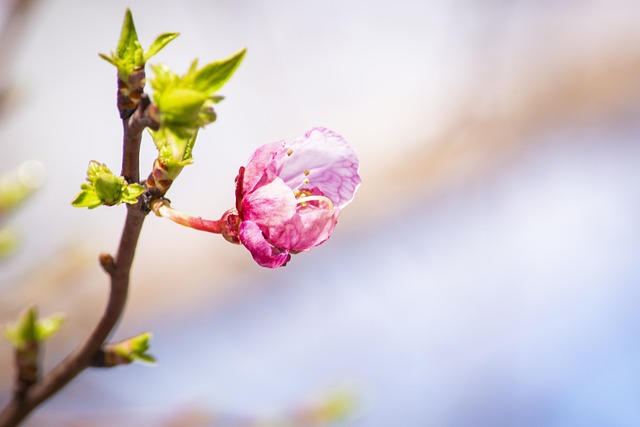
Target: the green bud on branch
(25, 336)
(129, 54)
(105, 188)
(124, 352)
(130, 59)
(29, 329)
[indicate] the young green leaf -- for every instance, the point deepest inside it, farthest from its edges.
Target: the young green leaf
(103, 187)
(213, 76)
(48, 326)
(109, 188)
(160, 42)
(87, 198)
(28, 329)
(131, 193)
(128, 37)
(129, 56)
(133, 349)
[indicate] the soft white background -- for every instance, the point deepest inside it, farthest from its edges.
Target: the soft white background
(485, 275)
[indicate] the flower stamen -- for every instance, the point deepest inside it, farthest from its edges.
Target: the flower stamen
(303, 199)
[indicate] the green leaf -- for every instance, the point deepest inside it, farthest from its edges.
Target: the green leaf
(23, 331)
(158, 44)
(181, 106)
(17, 185)
(109, 59)
(163, 79)
(128, 37)
(87, 199)
(105, 188)
(175, 146)
(8, 241)
(131, 193)
(134, 348)
(29, 329)
(129, 55)
(45, 328)
(187, 156)
(95, 169)
(109, 188)
(214, 75)
(186, 102)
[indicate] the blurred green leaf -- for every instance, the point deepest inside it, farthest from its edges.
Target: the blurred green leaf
(133, 349)
(46, 327)
(8, 241)
(28, 329)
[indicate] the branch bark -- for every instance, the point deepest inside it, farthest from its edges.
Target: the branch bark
(21, 405)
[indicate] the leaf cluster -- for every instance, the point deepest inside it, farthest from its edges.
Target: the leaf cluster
(105, 188)
(129, 54)
(186, 102)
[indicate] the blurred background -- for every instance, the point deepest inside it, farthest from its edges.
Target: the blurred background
(486, 274)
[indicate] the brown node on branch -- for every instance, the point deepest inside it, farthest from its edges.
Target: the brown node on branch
(107, 262)
(130, 92)
(27, 373)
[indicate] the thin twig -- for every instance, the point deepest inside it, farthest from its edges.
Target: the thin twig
(20, 406)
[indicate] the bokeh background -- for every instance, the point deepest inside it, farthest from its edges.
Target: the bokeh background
(487, 273)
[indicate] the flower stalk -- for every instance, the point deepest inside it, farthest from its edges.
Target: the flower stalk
(162, 208)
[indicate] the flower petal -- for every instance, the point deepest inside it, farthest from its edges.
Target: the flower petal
(260, 167)
(326, 160)
(263, 253)
(269, 205)
(305, 230)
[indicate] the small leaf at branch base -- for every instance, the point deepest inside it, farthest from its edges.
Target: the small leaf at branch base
(133, 349)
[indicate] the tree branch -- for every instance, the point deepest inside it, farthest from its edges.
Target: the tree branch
(119, 271)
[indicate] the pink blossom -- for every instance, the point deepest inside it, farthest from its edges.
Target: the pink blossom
(290, 194)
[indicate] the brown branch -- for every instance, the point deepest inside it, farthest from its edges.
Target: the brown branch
(119, 271)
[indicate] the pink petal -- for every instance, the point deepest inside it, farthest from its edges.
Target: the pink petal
(263, 253)
(326, 160)
(259, 169)
(269, 205)
(307, 229)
